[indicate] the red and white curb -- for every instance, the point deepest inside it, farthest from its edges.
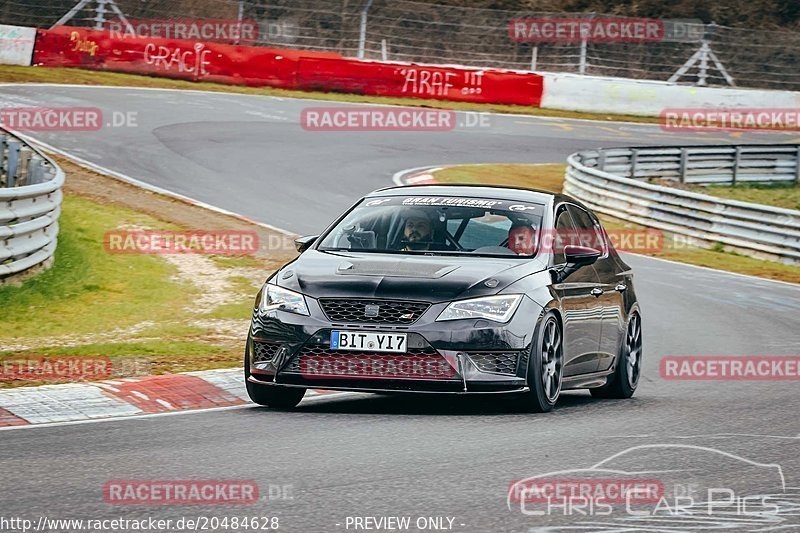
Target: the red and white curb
(416, 176)
(124, 397)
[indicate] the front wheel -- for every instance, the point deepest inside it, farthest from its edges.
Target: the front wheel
(623, 382)
(275, 396)
(545, 367)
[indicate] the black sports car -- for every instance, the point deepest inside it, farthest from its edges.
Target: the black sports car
(450, 289)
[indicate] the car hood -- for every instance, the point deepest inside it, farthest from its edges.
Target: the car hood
(428, 278)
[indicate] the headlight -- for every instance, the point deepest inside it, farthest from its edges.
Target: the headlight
(274, 297)
(497, 308)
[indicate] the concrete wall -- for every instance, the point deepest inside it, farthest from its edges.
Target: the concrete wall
(649, 98)
(16, 45)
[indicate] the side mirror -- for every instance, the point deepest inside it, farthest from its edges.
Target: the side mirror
(302, 243)
(581, 255)
(576, 257)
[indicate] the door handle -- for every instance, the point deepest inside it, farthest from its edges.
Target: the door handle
(620, 287)
(597, 292)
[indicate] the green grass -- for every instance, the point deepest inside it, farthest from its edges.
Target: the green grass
(16, 74)
(89, 290)
(66, 309)
(785, 195)
(550, 177)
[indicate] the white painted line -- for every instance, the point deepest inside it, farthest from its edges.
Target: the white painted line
(164, 403)
(716, 271)
(140, 395)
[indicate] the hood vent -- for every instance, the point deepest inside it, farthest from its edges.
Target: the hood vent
(400, 269)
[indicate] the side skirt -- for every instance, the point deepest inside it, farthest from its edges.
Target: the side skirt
(586, 381)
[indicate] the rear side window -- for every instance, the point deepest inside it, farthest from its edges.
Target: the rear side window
(564, 228)
(589, 232)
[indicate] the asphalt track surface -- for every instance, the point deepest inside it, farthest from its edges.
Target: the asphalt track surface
(363, 455)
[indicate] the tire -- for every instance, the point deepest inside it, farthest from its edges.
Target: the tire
(623, 382)
(545, 367)
(275, 396)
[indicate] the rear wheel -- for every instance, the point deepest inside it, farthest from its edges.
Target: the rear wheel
(545, 367)
(623, 382)
(270, 395)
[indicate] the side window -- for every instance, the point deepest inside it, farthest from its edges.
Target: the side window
(589, 233)
(564, 228)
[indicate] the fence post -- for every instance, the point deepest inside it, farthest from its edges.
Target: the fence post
(23, 167)
(634, 161)
(34, 170)
(362, 31)
(797, 166)
(684, 164)
(584, 45)
(13, 163)
(601, 160)
(3, 161)
(239, 20)
(736, 159)
(100, 11)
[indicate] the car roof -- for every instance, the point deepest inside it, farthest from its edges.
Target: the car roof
(484, 191)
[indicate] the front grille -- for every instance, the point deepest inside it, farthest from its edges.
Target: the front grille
(319, 350)
(346, 310)
(264, 351)
(497, 362)
(416, 363)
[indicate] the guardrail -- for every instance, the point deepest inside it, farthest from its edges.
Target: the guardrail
(703, 164)
(616, 182)
(30, 203)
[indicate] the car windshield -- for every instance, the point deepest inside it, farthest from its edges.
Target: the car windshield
(446, 225)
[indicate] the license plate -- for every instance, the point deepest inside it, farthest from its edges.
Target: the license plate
(372, 342)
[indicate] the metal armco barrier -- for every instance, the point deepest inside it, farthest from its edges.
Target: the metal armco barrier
(30, 203)
(616, 182)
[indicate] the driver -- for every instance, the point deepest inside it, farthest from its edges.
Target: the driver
(417, 231)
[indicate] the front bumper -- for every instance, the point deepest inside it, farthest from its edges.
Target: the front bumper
(459, 356)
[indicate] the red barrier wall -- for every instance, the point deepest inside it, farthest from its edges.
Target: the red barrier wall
(292, 69)
(171, 58)
(420, 81)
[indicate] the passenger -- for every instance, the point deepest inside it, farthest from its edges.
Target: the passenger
(522, 238)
